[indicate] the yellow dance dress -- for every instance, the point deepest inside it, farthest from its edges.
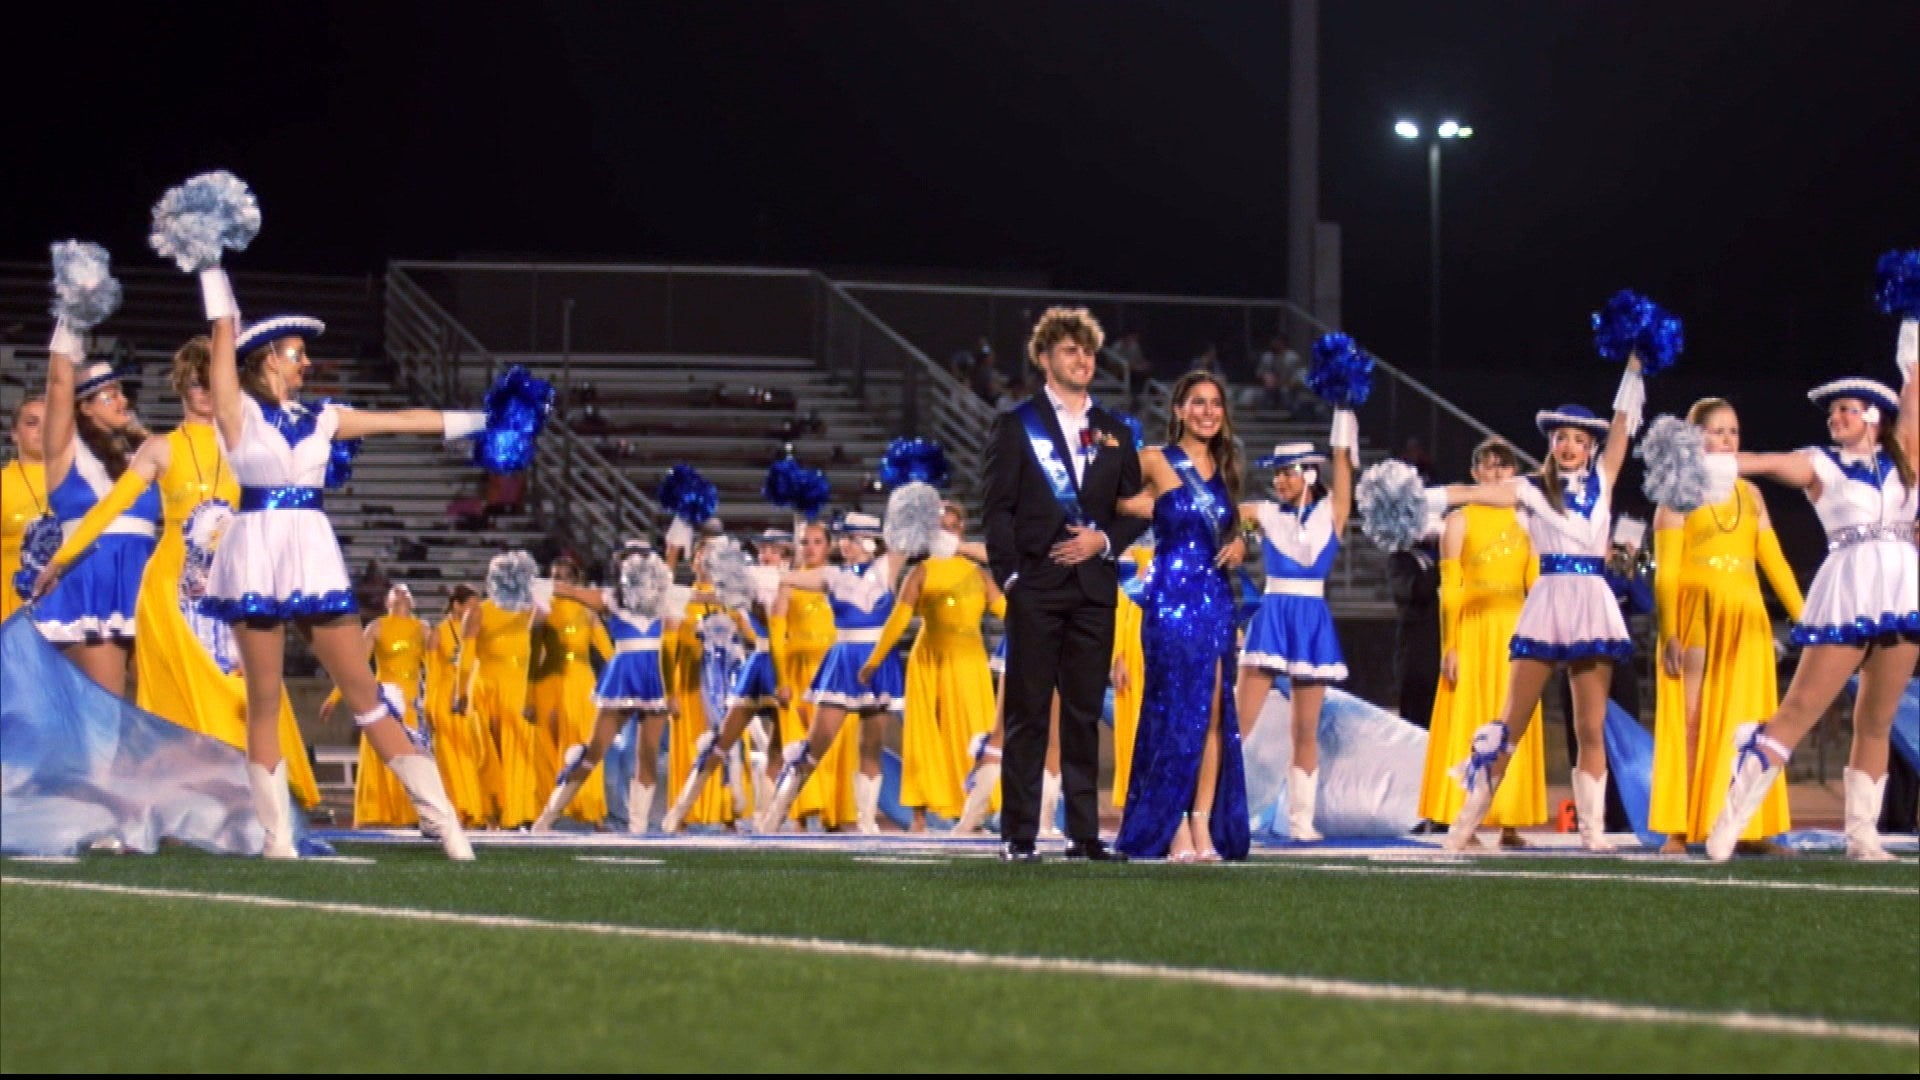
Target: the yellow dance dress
(680, 655)
(562, 691)
(1128, 652)
(1708, 597)
(399, 648)
(504, 646)
(949, 689)
(1480, 598)
(23, 497)
(175, 677)
(810, 633)
(462, 747)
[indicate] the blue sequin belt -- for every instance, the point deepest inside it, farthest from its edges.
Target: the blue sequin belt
(1573, 564)
(256, 499)
(1891, 532)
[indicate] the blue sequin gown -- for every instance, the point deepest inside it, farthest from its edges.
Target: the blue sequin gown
(1187, 631)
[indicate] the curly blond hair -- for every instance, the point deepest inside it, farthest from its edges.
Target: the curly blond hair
(1065, 324)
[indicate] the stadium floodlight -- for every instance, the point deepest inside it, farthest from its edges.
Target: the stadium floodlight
(1407, 129)
(1466, 132)
(1448, 129)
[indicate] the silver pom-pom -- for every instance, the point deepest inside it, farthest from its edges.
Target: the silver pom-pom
(1678, 474)
(1392, 502)
(197, 221)
(84, 289)
(643, 582)
(726, 566)
(913, 519)
(510, 580)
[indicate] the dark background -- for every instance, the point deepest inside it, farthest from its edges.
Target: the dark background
(1742, 162)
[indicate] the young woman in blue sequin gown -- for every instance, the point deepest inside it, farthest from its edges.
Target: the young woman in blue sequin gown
(1187, 797)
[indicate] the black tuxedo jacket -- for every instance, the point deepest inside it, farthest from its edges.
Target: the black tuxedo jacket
(1024, 520)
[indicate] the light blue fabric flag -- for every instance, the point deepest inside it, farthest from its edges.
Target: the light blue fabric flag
(81, 768)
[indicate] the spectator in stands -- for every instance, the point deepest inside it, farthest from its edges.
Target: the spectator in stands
(1015, 393)
(469, 511)
(1133, 356)
(1279, 375)
(591, 420)
(370, 592)
(1414, 454)
(1208, 360)
(986, 381)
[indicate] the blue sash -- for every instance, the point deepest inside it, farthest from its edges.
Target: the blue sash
(1058, 473)
(1209, 504)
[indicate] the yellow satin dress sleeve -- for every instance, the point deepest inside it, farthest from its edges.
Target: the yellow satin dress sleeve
(1720, 611)
(1496, 563)
(23, 497)
(949, 689)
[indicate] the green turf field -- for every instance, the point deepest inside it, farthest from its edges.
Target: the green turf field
(172, 978)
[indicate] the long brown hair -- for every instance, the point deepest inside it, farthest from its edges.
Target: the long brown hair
(114, 449)
(253, 376)
(190, 364)
(1556, 488)
(1224, 448)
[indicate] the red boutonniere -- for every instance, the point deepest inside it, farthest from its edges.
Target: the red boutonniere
(1087, 435)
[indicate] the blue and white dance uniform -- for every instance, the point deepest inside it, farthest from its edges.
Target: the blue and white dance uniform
(279, 558)
(631, 680)
(1868, 590)
(861, 599)
(757, 682)
(1570, 613)
(1293, 634)
(997, 663)
(94, 600)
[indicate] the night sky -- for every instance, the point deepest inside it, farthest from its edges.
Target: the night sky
(1742, 162)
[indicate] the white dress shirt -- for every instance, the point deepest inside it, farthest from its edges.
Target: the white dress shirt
(1071, 425)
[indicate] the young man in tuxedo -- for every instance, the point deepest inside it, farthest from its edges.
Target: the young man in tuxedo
(1057, 466)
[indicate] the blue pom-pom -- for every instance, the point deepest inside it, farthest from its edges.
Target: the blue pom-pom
(1632, 324)
(914, 460)
(516, 405)
(1134, 425)
(85, 291)
(1898, 290)
(1342, 372)
(38, 545)
(1392, 502)
(197, 221)
(792, 486)
(687, 495)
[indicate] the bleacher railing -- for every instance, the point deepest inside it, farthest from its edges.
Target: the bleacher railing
(884, 369)
(1173, 331)
(579, 493)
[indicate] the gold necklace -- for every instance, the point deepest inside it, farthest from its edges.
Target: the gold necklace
(1739, 508)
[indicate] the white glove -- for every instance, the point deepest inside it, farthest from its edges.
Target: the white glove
(679, 536)
(216, 293)
(67, 343)
(1907, 353)
(1345, 434)
(459, 425)
(1437, 501)
(945, 544)
(1631, 399)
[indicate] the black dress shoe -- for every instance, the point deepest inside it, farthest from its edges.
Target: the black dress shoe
(1093, 851)
(1018, 852)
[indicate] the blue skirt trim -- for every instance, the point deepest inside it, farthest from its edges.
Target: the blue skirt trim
(1888, 629)
(298, 606)
(838, 682)
(1618, 650)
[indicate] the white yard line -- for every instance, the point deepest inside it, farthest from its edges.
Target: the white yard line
(617, 860)
(1341, 989)
(899, 860)
(1466, 871)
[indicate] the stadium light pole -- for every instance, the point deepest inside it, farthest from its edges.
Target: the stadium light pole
(1448, 130)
